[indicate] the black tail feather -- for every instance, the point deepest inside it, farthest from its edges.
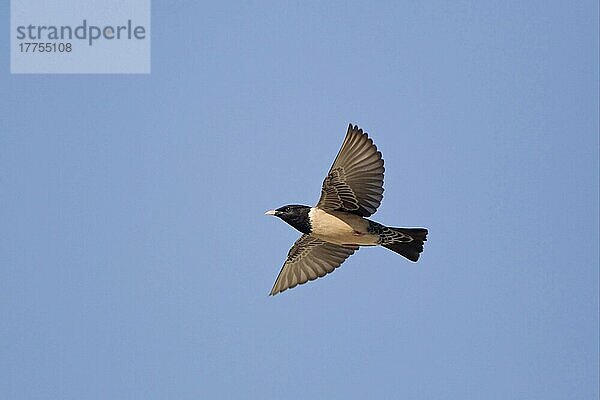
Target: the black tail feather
(413, 249)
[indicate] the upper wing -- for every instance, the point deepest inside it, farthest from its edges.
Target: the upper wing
(355, 180)
(308, 259)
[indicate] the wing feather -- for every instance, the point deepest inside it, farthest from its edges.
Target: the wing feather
(308, 259)
(355, 181)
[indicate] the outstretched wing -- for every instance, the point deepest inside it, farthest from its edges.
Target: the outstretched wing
(355, 181)
(308, 259)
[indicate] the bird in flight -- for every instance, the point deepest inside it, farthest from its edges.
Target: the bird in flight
(335, 228)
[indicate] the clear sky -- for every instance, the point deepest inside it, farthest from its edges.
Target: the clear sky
(135, 259)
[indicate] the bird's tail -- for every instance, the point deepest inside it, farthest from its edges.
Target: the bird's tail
(412, 249)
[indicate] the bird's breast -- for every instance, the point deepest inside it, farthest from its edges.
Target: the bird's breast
(340, 227)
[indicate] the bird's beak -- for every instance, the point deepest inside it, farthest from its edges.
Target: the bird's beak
(270, 212)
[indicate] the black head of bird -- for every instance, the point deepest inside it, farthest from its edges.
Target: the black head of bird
(294, 214)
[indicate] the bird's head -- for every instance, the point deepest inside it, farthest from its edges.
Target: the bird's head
(295, 215)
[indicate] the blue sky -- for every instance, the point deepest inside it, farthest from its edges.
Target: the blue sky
(135, 259)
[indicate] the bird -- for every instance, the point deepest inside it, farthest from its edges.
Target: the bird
(338, 225)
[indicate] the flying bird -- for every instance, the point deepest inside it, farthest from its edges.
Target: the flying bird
(335, 228)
